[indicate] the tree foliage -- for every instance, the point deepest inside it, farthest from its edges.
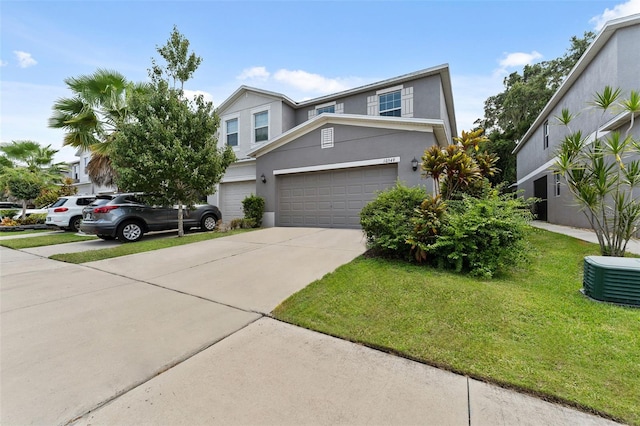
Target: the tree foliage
(28, 168)
(169, 148)
(603, 173)
(93, 115)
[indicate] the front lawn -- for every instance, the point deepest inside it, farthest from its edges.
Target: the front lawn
(141, 246)
(530, 329)
(45, 240)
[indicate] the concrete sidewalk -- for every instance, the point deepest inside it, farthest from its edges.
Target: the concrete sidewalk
(582, 234)
(183, 336)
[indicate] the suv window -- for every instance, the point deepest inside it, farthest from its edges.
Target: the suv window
(99, 202)
(59, 203)
(84, 201)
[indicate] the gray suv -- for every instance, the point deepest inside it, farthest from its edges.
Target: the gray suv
(128, 217)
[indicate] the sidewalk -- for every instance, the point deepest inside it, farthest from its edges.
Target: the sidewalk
(582, 234)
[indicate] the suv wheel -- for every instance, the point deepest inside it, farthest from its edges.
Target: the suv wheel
(130, 232)
(209, 222)
(74, 223)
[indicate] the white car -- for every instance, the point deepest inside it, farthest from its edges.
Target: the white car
(66, 213)
(29, 212)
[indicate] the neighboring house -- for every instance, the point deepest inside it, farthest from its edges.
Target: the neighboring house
(613, 59)
(318, 162)
(78, 172)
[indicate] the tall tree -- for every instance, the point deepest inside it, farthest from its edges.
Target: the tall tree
(34, 157)
(169, 149)
(27, 168)
(93, 115)
(180, 65)
(509, 114)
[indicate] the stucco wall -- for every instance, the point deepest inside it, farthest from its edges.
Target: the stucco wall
(351, 143)
(617, 65)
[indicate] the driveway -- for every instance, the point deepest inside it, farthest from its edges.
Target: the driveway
(182, 336)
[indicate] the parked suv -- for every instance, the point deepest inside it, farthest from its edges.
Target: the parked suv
(128, 217)
(66, 213)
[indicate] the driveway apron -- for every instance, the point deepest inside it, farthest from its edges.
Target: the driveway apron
(74, 337)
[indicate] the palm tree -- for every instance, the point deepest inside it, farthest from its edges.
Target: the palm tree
(93, 115)
(35, 158)
(26, 168)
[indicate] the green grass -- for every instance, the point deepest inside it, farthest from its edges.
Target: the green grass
(22, 232)
(45, 240)
(530, 329)
(141, 246)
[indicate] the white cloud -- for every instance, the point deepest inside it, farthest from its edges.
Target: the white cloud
(630, 7)
(191, 94)
(25, 60)
(519, 59)
(516, 60)
(311, 83)
(254, 73)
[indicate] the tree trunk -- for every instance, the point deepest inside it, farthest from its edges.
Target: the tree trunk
(180, 220)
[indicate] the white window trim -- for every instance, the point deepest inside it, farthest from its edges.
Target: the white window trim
(390, 89)
(224, 129)
(254, 111)
(325, 105)
(545, 134)
(339, 109)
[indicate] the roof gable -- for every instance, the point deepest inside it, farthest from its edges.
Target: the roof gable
(411, 124)
(588, 56)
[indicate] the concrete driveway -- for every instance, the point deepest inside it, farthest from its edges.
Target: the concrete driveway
(181, 336)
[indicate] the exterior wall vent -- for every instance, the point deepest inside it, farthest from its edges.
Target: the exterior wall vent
(612, 279)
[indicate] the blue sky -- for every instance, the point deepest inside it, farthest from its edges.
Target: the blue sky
(302, 49)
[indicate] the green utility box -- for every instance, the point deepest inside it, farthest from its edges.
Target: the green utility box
(612, 279)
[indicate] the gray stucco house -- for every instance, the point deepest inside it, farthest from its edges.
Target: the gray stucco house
(613, 59)
(318, 162)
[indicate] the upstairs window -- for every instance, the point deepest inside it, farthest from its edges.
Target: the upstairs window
(545, 135)
(232, 132)
(329, 108)
(261, 126)
(390, 104)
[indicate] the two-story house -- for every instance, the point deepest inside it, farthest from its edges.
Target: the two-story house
(77, 171)
(613, 59)
(318, 162)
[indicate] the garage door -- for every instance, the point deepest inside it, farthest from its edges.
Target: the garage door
(330, 199)
(231, 196)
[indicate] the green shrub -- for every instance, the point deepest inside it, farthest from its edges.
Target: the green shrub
(253, 207)
(427, 223)
(242, 223)
(482, 235)
(8, 213)
(235, 223)
(386, 221)
(34, 219)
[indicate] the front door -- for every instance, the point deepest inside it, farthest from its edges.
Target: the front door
(540, 192)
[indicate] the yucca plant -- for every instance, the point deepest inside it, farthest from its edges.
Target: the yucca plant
(602, 172)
